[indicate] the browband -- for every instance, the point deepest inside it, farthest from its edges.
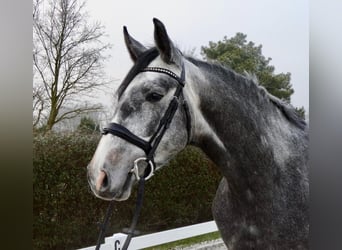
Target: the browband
(180, 80)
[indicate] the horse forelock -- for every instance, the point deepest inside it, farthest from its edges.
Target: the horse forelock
(250, 81)
(142, 61)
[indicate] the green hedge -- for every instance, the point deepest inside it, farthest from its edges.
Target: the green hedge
(67, 215)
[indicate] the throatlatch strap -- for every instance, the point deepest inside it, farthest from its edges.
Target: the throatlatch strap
(188, 119)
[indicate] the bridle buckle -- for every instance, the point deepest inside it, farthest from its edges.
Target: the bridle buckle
(135, 169)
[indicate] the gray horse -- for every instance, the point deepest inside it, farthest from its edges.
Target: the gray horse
(259, 144)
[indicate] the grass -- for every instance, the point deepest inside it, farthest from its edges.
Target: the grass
(186, 242)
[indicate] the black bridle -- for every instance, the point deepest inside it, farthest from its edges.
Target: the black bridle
(149, 147)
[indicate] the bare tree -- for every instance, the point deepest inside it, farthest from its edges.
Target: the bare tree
(38, 106)
(68, 57)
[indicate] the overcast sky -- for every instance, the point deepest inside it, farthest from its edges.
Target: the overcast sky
(282, 27)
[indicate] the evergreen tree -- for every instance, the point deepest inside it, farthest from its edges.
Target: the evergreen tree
(241, 56)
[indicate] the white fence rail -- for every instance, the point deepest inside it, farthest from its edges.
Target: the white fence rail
(116, 241)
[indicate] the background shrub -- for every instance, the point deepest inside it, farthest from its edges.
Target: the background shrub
(67, 215)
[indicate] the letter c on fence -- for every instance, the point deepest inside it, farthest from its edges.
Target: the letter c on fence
(117, 245)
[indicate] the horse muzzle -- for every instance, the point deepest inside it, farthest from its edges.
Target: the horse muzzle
(104, 187)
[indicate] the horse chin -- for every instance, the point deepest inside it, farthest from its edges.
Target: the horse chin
(122, 195)
(126, 189)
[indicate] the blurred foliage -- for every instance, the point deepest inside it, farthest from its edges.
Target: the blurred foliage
(301, 112)
(67, 215)
(88, 125)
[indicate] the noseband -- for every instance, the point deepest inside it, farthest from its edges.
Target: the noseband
(149, 147)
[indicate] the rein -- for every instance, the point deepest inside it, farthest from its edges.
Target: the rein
(134, 222)
(149, 147)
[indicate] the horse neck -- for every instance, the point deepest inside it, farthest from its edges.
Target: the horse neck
(236, 125)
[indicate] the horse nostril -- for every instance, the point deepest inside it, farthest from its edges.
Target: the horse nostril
(102, 181)
(105, 182)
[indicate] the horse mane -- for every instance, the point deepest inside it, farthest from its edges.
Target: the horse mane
(225, 73)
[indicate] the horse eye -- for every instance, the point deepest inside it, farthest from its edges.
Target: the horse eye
(153, 97)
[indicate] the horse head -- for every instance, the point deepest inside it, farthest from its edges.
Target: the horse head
(151, 120)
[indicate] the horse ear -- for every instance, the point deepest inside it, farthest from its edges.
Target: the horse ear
(134, 47)
(168, 52)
